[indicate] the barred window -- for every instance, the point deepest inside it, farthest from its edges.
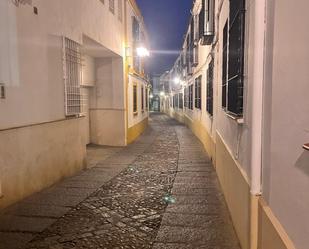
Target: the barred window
(142, 98)
(180, 100)
(120, 10)
(147, 99)
(73, 77)
(236, 58)
(190, 97)
(198, 92)
(186, 97)
(112, 6)
(210, 75)
(134, 99)
(224, 65)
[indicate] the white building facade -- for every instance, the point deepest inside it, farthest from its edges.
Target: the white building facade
(240, 84)
(65, 79)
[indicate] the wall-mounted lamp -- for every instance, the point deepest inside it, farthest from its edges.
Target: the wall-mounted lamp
(177, 81)
(142, 52)
(162, 94)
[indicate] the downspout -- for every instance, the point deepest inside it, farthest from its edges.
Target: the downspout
(257, 115)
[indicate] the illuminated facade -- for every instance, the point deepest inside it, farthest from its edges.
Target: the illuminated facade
(67, 71)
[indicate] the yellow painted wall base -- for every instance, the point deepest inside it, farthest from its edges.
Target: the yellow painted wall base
(236, 191)
(271, 233)
(136, 130)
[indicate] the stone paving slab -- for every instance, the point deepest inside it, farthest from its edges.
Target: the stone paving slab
(34, 210)
(186, 246)
(194, 220)
(62, 200)
(14, 240)
(195, 236)
(11, 223)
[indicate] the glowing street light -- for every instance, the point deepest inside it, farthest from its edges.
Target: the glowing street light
(142, 52)
(177, 81)
(162, 94)
(151, 96)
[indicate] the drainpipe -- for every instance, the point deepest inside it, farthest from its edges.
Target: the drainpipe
(257, 114)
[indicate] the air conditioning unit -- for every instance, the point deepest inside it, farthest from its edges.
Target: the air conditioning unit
(207, 22)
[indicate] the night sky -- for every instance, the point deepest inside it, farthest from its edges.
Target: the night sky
(166, 22)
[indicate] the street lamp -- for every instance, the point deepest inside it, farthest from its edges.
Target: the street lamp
(162, 94)
(177, 81)
(142, 52)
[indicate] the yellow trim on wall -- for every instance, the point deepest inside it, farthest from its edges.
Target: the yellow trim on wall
(136, 130)
(272, 235)
(236, 191)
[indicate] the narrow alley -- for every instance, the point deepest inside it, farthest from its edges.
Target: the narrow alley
(160, 192)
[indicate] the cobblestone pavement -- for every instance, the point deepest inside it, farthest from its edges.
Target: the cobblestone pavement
(160, 192)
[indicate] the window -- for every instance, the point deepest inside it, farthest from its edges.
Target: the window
(198, 92)
(176, 100)
(235, 80)
(207, 22)
(135, 29)
(142, 98)
(186, 102)
(134, 99)
(181, 100)
(136, 39)
(190, 104)
(210, 75)
(2, 91)
(112, 6)
(224, 65)
(120, 12)
(73, 76)
(147, 100)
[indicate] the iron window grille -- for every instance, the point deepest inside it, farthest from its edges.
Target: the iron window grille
(180, 100)
(235, 85)
(136, 34)
(191, 97)
(198, 92)
(134, 99)
(186, 100)
(210, 75)
(142, 98)
(224, 65)
(72, 77)
(147, 99)
(112, 6)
